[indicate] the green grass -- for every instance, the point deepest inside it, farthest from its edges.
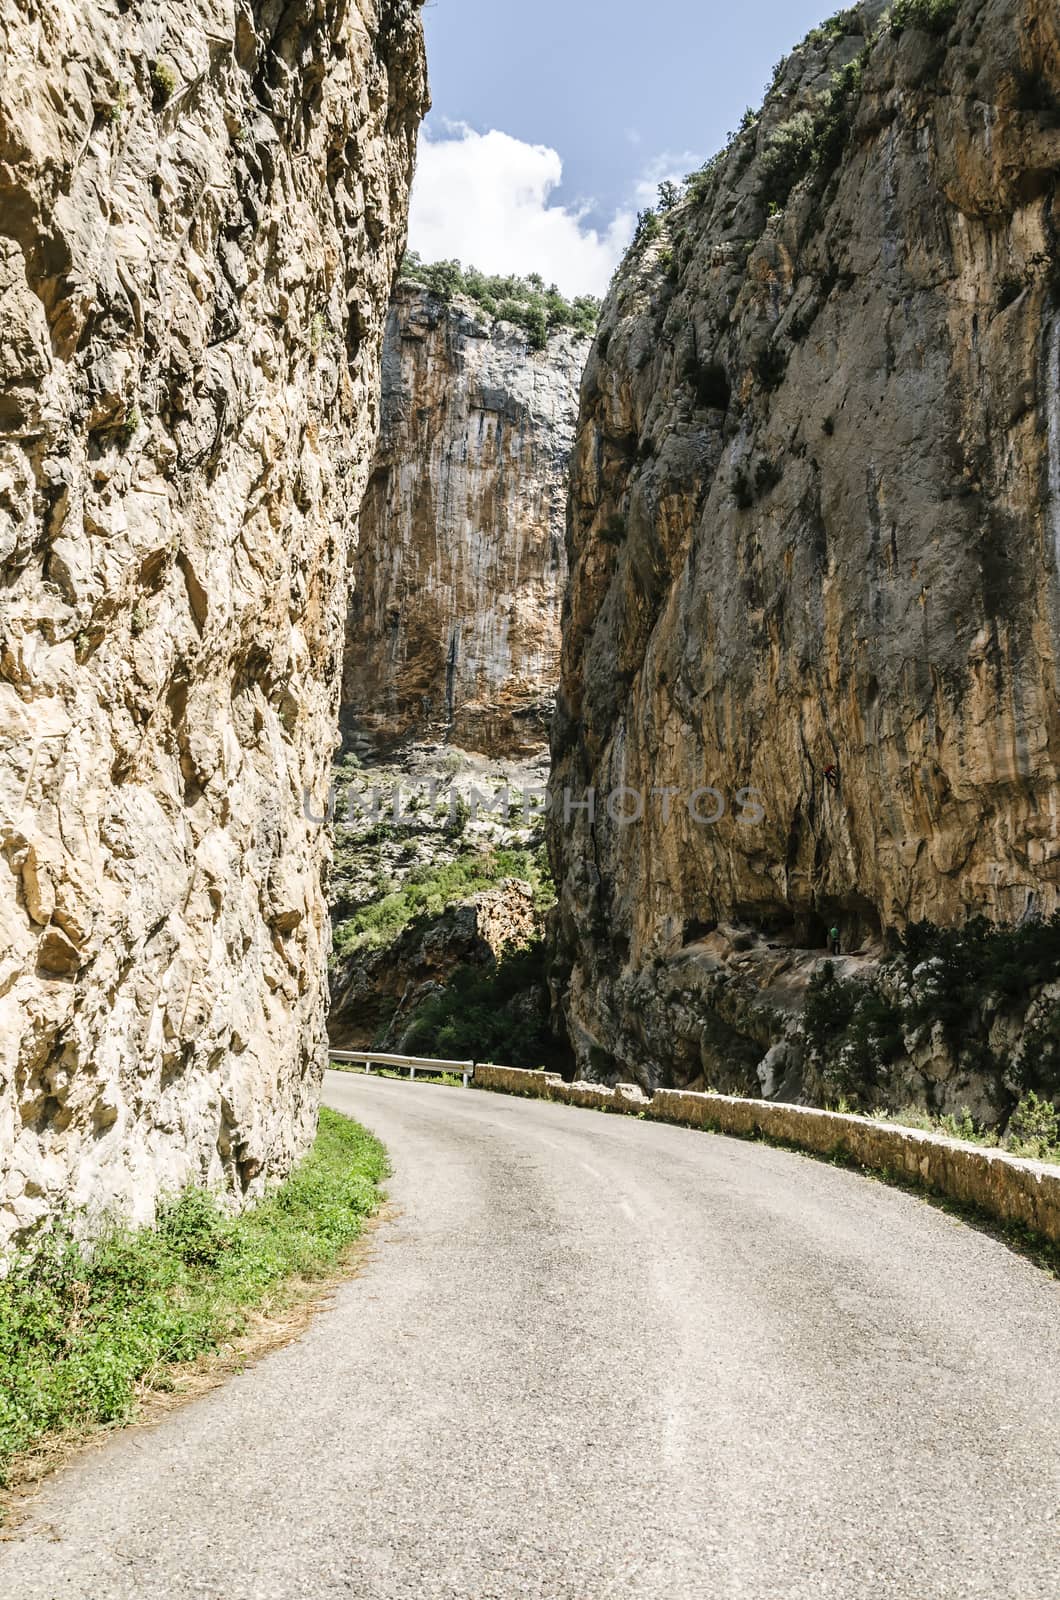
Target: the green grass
(84, 1330)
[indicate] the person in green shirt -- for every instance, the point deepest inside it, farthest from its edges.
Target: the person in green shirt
(833, 941)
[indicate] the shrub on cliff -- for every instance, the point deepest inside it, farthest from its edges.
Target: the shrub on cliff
(977, 961)
(786, 158)
(933, 16)
(428, 890)
(853, 1031)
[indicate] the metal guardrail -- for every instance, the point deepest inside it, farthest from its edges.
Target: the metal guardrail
(372, 1058)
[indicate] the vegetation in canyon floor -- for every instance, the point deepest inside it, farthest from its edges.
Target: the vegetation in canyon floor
(86, 1329)
(489, 1013)
(526, 302)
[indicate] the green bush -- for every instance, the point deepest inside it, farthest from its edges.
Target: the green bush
(526, 302)
(164, 81)
(649, 227)
(847, 21)
(786, 158)
(489, 1014)
(82, 1327)
(933, 16)
(1033, 1129)
(977, 960)
(130, 425)
(853, 1031)
(835, 118)
(427, 891)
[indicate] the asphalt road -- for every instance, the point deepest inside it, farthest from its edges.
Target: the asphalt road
(593, 1356)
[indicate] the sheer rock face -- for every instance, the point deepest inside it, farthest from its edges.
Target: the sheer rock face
(814, 538)
(201, 210)
(454, 619)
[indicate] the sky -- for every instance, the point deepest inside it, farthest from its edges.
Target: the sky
(555, 120)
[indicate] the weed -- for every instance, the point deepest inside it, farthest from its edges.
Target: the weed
(116, 111)
(164, 82)
(129, 425)
(1034, 1129)
(614, 529)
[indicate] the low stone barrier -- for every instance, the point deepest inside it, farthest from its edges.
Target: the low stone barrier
(1026, 1193)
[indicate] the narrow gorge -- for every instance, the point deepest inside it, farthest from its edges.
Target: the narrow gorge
(754, 569)
(451, 670)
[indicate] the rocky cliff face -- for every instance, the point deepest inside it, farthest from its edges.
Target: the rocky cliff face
(201, 210)
(815, 537)
(458, 577)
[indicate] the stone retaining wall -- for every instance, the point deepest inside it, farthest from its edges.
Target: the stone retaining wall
(1002, 1186)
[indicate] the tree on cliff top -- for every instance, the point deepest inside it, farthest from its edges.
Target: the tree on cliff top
(526, 302)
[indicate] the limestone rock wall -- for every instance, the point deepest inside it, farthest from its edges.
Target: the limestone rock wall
(458, 577)
(202, 205)
(815, 530)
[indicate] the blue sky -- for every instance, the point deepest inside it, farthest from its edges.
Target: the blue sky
(554, 121)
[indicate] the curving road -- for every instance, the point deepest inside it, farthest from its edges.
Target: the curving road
(592, 1357)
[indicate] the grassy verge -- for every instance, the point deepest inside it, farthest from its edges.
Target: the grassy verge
(84, 1333)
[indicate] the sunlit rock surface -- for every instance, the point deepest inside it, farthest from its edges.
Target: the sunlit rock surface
(458, 576)
(815, 538)
(202, 206)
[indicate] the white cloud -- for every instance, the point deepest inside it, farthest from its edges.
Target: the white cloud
(484, 198)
